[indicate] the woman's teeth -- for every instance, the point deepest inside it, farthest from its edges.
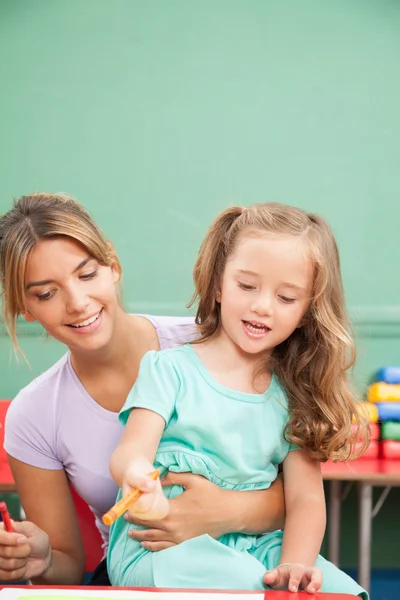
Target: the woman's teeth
(87, 322)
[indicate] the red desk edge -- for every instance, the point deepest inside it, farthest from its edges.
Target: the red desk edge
(268, 594)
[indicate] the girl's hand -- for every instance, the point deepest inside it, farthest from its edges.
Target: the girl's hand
(25, 553)
(292, 576)
(195, 512)
(152, 504)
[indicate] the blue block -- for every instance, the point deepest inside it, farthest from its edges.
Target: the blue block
(389, 374)
(388, 411)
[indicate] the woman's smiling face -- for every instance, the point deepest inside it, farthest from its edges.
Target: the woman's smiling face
(70, 294)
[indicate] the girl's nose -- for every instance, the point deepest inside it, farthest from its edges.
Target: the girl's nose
(263, 305)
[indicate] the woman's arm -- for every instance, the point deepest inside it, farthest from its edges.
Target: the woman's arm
(206, 508)
(55, 553)
(256, 512)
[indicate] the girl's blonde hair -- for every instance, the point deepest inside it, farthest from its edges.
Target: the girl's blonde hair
(312, 363)
(38, 217)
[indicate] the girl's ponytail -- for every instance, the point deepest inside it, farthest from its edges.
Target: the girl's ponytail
(209, 268)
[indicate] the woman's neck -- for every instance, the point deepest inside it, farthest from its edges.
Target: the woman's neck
(109, 374)
(126, 346)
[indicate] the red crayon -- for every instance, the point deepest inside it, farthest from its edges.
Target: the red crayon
(5, 515)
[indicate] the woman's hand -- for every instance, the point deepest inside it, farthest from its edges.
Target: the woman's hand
(197, 511)
(206, 508)
(25, 553)
(294, 576)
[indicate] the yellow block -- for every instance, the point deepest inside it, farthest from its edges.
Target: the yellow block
(384, 392)
(370, 410)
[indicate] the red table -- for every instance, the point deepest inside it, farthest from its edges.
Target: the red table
(268, 595)
(367, 473)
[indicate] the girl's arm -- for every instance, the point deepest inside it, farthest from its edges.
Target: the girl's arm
(206, 508)
(305, 508)
(132, 461)
(53, 552)
(305, 521)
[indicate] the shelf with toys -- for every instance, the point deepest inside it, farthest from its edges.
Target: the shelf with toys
(383, 400)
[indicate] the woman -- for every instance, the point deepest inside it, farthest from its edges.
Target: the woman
(57, 268)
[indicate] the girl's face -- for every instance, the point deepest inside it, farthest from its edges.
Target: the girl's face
(70, 294)
(265, 292)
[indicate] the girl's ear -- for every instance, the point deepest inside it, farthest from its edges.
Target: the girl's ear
(28, 317)
(218, 296)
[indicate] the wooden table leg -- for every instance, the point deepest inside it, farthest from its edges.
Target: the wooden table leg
(334, 522)
(364, 534)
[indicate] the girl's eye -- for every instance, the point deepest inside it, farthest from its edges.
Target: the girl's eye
(88, 276)
(45, 296)
(246, 287)
(287, 300)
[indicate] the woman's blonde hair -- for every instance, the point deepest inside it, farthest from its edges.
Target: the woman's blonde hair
(312, 363)
(38, 217)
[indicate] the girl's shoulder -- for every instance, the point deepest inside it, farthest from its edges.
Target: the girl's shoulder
(279, 395)
(173, 331)
(175, 358)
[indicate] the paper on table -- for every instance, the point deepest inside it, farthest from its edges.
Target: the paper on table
(24, 593)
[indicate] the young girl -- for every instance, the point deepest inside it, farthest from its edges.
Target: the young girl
(57, 267)
(265, 384)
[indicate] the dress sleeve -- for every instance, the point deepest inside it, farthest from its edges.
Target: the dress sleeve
(156, 387)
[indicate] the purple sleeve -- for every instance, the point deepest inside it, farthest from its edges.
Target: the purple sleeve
(29, 434)
(173, 331)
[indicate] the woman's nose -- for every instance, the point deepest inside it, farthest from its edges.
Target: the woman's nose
(77, 301)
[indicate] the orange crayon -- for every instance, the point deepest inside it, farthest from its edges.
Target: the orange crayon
(122, 505)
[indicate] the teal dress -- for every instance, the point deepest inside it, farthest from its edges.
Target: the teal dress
(233, 439)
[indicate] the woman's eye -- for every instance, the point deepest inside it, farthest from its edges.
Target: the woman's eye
(245, 286)
(287, 300)
(45, 296)
(87, 276)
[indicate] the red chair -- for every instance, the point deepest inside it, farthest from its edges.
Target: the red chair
(6, 479)
(90, 534)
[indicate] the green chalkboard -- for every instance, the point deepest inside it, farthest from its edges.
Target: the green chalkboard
(156, 114)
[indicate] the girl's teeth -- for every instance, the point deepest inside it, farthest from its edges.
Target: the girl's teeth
(256, 328)
(87, 322)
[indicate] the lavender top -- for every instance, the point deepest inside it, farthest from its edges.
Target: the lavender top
(53, 423)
